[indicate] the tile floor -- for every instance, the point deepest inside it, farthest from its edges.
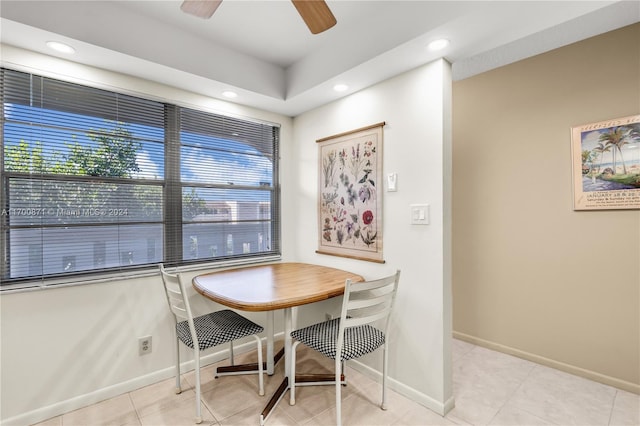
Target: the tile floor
(490, 388)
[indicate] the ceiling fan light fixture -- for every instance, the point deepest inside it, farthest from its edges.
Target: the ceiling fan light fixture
(201, 8)
(61, 47)
(438, 44)
(316, 14)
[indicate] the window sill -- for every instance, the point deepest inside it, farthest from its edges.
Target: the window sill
(49, 284)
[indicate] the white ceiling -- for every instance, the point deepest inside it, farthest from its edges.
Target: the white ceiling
(263, 50)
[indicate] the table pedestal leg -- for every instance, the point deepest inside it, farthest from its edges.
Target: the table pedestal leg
(284, 386)
(270, 332)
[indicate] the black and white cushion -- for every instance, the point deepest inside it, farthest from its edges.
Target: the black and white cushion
(216, 328)
(323, 337)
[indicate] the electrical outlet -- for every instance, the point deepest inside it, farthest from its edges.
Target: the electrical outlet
(144, 345)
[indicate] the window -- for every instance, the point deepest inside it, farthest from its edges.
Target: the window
(94, 180)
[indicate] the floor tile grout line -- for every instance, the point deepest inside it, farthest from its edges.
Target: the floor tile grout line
(512, 395)
(135, 409)
(531, 370)
(613, 406)
(522, 382)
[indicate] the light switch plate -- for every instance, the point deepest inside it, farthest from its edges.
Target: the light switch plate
(392, 182)
(419, 214)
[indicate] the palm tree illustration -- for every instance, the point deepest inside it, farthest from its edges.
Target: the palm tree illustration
(616, 138)
(599, 151)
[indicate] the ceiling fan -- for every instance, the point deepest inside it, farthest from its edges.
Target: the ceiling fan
(315, 13)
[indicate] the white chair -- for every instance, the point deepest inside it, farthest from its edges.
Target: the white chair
(205, 331)
(352, 335)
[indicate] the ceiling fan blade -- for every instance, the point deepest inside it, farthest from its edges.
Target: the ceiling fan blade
(316, 14)
(200, 8)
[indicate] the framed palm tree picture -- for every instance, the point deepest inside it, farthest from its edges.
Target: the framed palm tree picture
(350, 195)
(606, 164)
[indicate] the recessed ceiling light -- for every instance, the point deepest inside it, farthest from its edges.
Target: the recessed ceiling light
(438, 44)
(229, 94)
(61, 47)
(340, 87)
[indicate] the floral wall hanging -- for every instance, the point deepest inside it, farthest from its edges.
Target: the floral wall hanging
(350, 194)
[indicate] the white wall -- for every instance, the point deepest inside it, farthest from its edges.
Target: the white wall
(64, 348)
(416, 109)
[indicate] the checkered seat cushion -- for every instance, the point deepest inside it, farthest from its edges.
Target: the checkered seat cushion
(216, 328)
(323, 338)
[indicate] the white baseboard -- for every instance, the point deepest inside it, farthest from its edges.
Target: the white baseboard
(81, 401)
(440, 408)
(59, 408)
(53, 410)
(567, 368)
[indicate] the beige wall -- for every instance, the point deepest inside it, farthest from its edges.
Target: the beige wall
(531, 276)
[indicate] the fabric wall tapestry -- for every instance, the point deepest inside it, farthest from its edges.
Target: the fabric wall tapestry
(350, 194)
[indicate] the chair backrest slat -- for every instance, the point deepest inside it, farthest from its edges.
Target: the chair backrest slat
(176, 296)
(179, 303)
(354, 322)
(368, 302)
(372, 285)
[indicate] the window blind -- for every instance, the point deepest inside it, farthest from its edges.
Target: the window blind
(95, 181)
(229, 163)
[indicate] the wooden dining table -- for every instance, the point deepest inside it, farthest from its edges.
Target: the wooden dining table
(270, 287)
